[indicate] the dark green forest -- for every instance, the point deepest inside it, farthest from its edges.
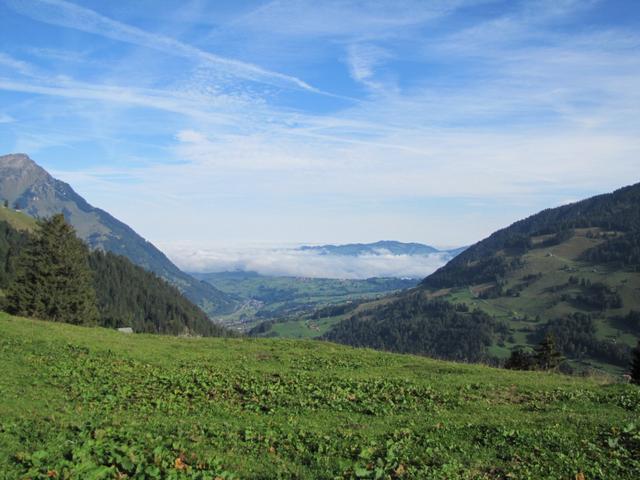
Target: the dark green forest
(415, 325)
(125, 295)
(52, 279)
(11, 243)
(576, 338)
(129, 296)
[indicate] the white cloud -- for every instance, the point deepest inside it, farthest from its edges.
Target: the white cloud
(362, 60)
(293, 262)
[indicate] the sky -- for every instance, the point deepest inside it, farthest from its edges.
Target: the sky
(212, 124)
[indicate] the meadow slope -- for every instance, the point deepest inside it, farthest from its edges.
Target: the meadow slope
(92, 403)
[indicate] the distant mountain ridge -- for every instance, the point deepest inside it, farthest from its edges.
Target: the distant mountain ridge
(30, 188)
(377, 248)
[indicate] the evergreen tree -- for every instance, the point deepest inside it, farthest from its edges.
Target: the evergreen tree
(53, 280)
(519, 360)
(547, 356)
(635, 365)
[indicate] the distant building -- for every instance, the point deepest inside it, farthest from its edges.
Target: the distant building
(126, 330)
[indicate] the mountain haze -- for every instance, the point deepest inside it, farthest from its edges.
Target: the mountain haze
(29, 188)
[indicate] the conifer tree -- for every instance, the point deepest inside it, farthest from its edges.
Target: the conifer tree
(635, 365)
(519, 360)
(53, 280)
(547, 356)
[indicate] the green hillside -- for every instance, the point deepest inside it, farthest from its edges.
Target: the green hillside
(268, 297)
(573, 271)
(17, 220)
(90, 403)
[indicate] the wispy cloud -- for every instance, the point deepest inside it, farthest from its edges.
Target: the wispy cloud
(350, 18)
(514, 105)
(6, 118)
(66, 14)
(14, 65)
(363, 59)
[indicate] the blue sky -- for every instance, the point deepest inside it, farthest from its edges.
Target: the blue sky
(212, 123)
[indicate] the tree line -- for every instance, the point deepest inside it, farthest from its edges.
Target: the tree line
(51, 274)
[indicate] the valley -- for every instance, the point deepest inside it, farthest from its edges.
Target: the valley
(266, 297)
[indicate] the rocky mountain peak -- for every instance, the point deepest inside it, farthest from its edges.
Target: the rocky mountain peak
(19, 162)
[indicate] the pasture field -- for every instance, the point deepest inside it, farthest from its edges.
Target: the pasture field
(91, 403)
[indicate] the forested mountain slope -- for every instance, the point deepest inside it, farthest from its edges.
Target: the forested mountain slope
(127, 295)
(613, 219)
(29, 188)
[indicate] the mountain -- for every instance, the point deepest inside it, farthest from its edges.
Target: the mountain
(572, 271)
(29, 188)
(612, 222)
(377, 248)
(127, 295)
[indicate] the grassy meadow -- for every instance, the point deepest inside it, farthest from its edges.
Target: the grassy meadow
(17, 220)
(91, 403)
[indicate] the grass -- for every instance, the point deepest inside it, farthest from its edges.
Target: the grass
(17, 220)
(304, 328)
(91, 403)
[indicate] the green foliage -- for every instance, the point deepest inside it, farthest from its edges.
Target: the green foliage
(547, 356)
(520, 359)
(416, 325)
(630, 322)
(126, 295)
(599, 296)
(98, 404)
(129, 296)
(575, 336)
(635, 365)
(619, 251)
(11, 242)
(53, 280)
